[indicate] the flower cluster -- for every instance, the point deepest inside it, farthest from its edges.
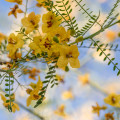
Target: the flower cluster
(54, 45)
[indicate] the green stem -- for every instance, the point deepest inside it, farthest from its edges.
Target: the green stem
(105, 54)
(30, 111)
(87, 12)
(10, 95)
(97, 87)
(26, 7)
(101, 30)
(61, 15)
(101, 48)
(68, 14)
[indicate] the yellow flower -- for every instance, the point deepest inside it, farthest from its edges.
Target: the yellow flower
(33, 73)
(14, 11)
(111, 35)
(14, 42)
(41, 3)
(60, 111)
(60, 78)
(109, 116)
(97, 109)
(38, 86)
(16, 55)
(34, 93)
(36, 44)
(67, 95)
(68, 54)
(61, 34)
(15, 1)
(31, 22)
(53, 52)
(13, 105)
(84, 79)
(2, 37)
(50, 22)
(113, 100)
(47, 43)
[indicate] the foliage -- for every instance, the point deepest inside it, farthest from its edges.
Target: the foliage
(59, 27)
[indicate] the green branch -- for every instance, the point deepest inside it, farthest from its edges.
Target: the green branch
(101, 30)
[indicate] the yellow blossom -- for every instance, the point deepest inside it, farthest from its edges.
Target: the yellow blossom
(111, 35)
(60, 78)
(16, 55)
(14, 11)
(33, 73)
(45, 44)
(53, 53)
(50, 22)
(31, 22)
(84, 79)
(61, 34)
(109, 116)
(60, 111)
(34, 92)
(2, 37)
(14, 42)
(68, 54)
(41, 3)
(113, 100)
(13, 105)
(67, 95)
(36, 45)
(15, 1)
(96, 109)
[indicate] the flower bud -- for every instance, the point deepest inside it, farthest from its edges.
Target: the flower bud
(66, 68)
(55, 39)
(72, 32)
(79, 39)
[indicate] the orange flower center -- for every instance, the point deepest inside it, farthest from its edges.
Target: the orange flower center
(49, 24)
(33, 22)
(29, 91)
(113, 100)
(69, 55)
(57, 35)
(36, 97)
(47, 45)
(12, 41)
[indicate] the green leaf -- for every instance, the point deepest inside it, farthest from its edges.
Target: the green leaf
(6, 89)
(6, 84)
(118, 73)
(67, 2)
(6, 95)
(46, 81)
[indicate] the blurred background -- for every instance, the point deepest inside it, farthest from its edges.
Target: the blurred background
(78, 89)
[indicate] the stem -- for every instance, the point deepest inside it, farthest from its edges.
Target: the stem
(26, 7)
(68, 15)
(1, 70)
(87, 12)
(105, 54)
(10, 95)
(96, 86)
(96, 48)
(30, 111)
(101, 30)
